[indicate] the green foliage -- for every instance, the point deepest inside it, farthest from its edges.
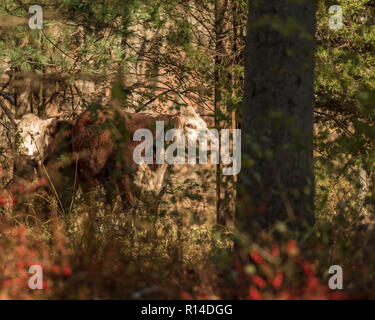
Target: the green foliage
(344, 91)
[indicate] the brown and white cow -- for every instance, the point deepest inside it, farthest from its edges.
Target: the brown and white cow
(103, 143)
(44, 154)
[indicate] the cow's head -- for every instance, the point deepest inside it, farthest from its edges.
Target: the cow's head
(34, 135)
(194, 126)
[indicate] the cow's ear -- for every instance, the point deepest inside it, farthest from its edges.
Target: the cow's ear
(51, 121)
(51, 125)
(176, 121)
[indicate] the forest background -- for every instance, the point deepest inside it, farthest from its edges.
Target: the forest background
(159, 56)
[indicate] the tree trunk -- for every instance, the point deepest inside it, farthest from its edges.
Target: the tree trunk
(224, 118)
(277, 178)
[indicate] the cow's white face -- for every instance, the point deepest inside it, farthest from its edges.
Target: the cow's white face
(194, 126)
(34, 135)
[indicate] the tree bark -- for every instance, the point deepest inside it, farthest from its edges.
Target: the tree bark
(277, 178)
(224, 118)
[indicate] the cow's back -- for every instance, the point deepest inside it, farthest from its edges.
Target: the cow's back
(103, 144)
(100, 136)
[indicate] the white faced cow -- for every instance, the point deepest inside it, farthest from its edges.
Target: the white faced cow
(149, 183)
(103, 143)
(48, 143)
(41, 145)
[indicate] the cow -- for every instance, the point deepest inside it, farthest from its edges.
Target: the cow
(103, 144)
(47, 146)
(44, 154)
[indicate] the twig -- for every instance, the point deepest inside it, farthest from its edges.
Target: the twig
(75, 184)
(75, 60)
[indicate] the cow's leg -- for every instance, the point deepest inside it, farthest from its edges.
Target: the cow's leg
(110, 191)
(109, 184)
(160, 178)
(87, 184)
(128, 201)
(160, 183)
(126, 191)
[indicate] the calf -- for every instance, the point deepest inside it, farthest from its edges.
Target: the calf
(44, 145)
(103, 143)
